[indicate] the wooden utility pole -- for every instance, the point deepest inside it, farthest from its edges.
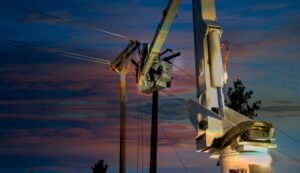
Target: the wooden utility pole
(121, 65)
(123, 116)
(154, 129)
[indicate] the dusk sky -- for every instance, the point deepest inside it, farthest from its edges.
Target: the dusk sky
(61, 115)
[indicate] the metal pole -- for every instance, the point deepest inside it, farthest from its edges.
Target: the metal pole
(220, 101)
(154, 127)
(122, 162)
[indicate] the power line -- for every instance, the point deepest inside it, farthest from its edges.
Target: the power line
(142, 132)
(283, 132)
(185, 72)
(170, 142)
(66, 20)
(174, 148)
(138, 136)
(52, 50)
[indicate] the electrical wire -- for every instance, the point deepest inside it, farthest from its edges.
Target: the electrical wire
(185, 72)
(283, 132)
(142, 133)
(69, 21)
(138, 136)
(52, 50)
(174, 149)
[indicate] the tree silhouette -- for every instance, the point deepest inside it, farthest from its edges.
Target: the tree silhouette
(99, 167)
(238, 100)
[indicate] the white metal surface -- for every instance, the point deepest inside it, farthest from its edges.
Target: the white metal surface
(159, 39)
(240, 143)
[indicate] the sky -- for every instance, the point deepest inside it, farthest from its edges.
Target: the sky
(60, 115)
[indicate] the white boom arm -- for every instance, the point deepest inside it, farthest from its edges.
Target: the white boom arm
(240, 144)
(159, 39)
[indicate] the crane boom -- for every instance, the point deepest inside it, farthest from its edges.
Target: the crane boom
(240, 144)
(159, 38)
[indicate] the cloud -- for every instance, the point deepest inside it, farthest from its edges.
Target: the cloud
(45, 18)
(98, 141)
(285, 108)
(262, 42)
(271, 6)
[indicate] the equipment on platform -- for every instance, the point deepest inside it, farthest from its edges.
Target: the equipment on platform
(160, 77)
(155, 74)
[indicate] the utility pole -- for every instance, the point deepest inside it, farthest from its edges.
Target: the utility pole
(121, 65)
(154, 129)
(123, 116)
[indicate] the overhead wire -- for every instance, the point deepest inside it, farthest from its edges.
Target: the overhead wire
(140, 128)
(138, 136)
(185, 72)
(69, 21)
(142, 137)
(174, 149)
(53, 50)
(167, 137)
(283, 132)
(142, 133)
